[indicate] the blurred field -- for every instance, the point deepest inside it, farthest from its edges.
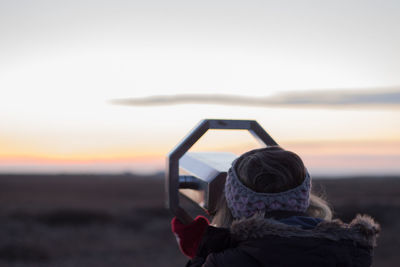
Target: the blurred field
(81, 220)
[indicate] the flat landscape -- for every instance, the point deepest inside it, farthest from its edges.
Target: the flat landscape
(120, 220)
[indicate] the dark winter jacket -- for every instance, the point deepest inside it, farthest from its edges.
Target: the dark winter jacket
(259, 241)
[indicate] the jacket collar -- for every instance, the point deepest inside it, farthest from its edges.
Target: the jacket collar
(362, 229)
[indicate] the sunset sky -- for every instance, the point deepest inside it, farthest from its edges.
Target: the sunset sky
(113, 86)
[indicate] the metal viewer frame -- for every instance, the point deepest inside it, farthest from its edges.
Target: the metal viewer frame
(172, 164)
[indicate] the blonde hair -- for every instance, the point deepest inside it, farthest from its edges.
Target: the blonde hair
(271, 170)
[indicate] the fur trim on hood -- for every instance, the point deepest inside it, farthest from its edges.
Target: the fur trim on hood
(362, 230)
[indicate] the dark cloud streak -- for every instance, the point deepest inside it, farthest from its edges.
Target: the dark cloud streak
(318, 98)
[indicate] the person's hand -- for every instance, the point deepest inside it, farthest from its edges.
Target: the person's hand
(189, 235)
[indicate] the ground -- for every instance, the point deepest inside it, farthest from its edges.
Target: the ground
(120, 220)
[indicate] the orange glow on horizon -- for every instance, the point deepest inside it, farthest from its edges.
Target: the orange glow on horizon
(329, 156)
(386, 148)
(306, 147)
(49, 160)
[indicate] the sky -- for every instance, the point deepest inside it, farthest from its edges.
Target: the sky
(113, 86)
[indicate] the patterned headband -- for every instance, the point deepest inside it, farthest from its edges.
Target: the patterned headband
(244, 202)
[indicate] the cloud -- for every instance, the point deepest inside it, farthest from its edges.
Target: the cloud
(312, 98)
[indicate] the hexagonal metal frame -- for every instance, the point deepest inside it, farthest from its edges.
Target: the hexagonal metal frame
(172, 166)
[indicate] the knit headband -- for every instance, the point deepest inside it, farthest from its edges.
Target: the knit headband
(244, 202)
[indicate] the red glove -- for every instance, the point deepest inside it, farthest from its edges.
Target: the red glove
(189, 235)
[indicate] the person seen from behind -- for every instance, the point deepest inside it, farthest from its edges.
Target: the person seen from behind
(268, 217)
